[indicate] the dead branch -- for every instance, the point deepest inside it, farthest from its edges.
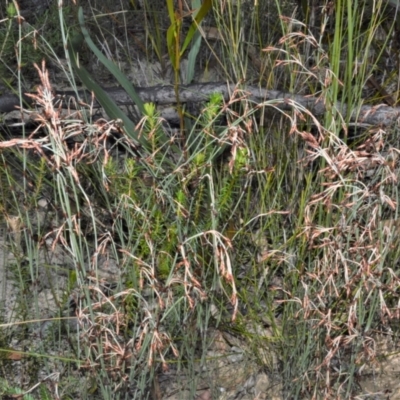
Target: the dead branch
(381, 115)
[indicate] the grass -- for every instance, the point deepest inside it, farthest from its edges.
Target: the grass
(272, 226)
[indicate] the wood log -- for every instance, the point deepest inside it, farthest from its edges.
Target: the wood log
(378, 115)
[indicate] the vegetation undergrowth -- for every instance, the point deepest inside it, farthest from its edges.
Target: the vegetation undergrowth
(274, 226)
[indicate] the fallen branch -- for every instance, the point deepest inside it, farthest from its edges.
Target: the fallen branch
(382, 115)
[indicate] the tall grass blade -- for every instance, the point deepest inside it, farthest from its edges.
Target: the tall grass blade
(204, 9)
(121, 78)
(110, 107)
(194, 51)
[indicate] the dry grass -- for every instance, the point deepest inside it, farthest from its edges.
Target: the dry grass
(294, 217)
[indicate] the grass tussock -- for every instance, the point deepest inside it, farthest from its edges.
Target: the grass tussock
(247, 219)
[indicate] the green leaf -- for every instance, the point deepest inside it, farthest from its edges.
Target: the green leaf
(204, 9)
(112, 110)
(171, 12)
(110, 107)
(121, 78)
(171, 43)
(192, 57)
